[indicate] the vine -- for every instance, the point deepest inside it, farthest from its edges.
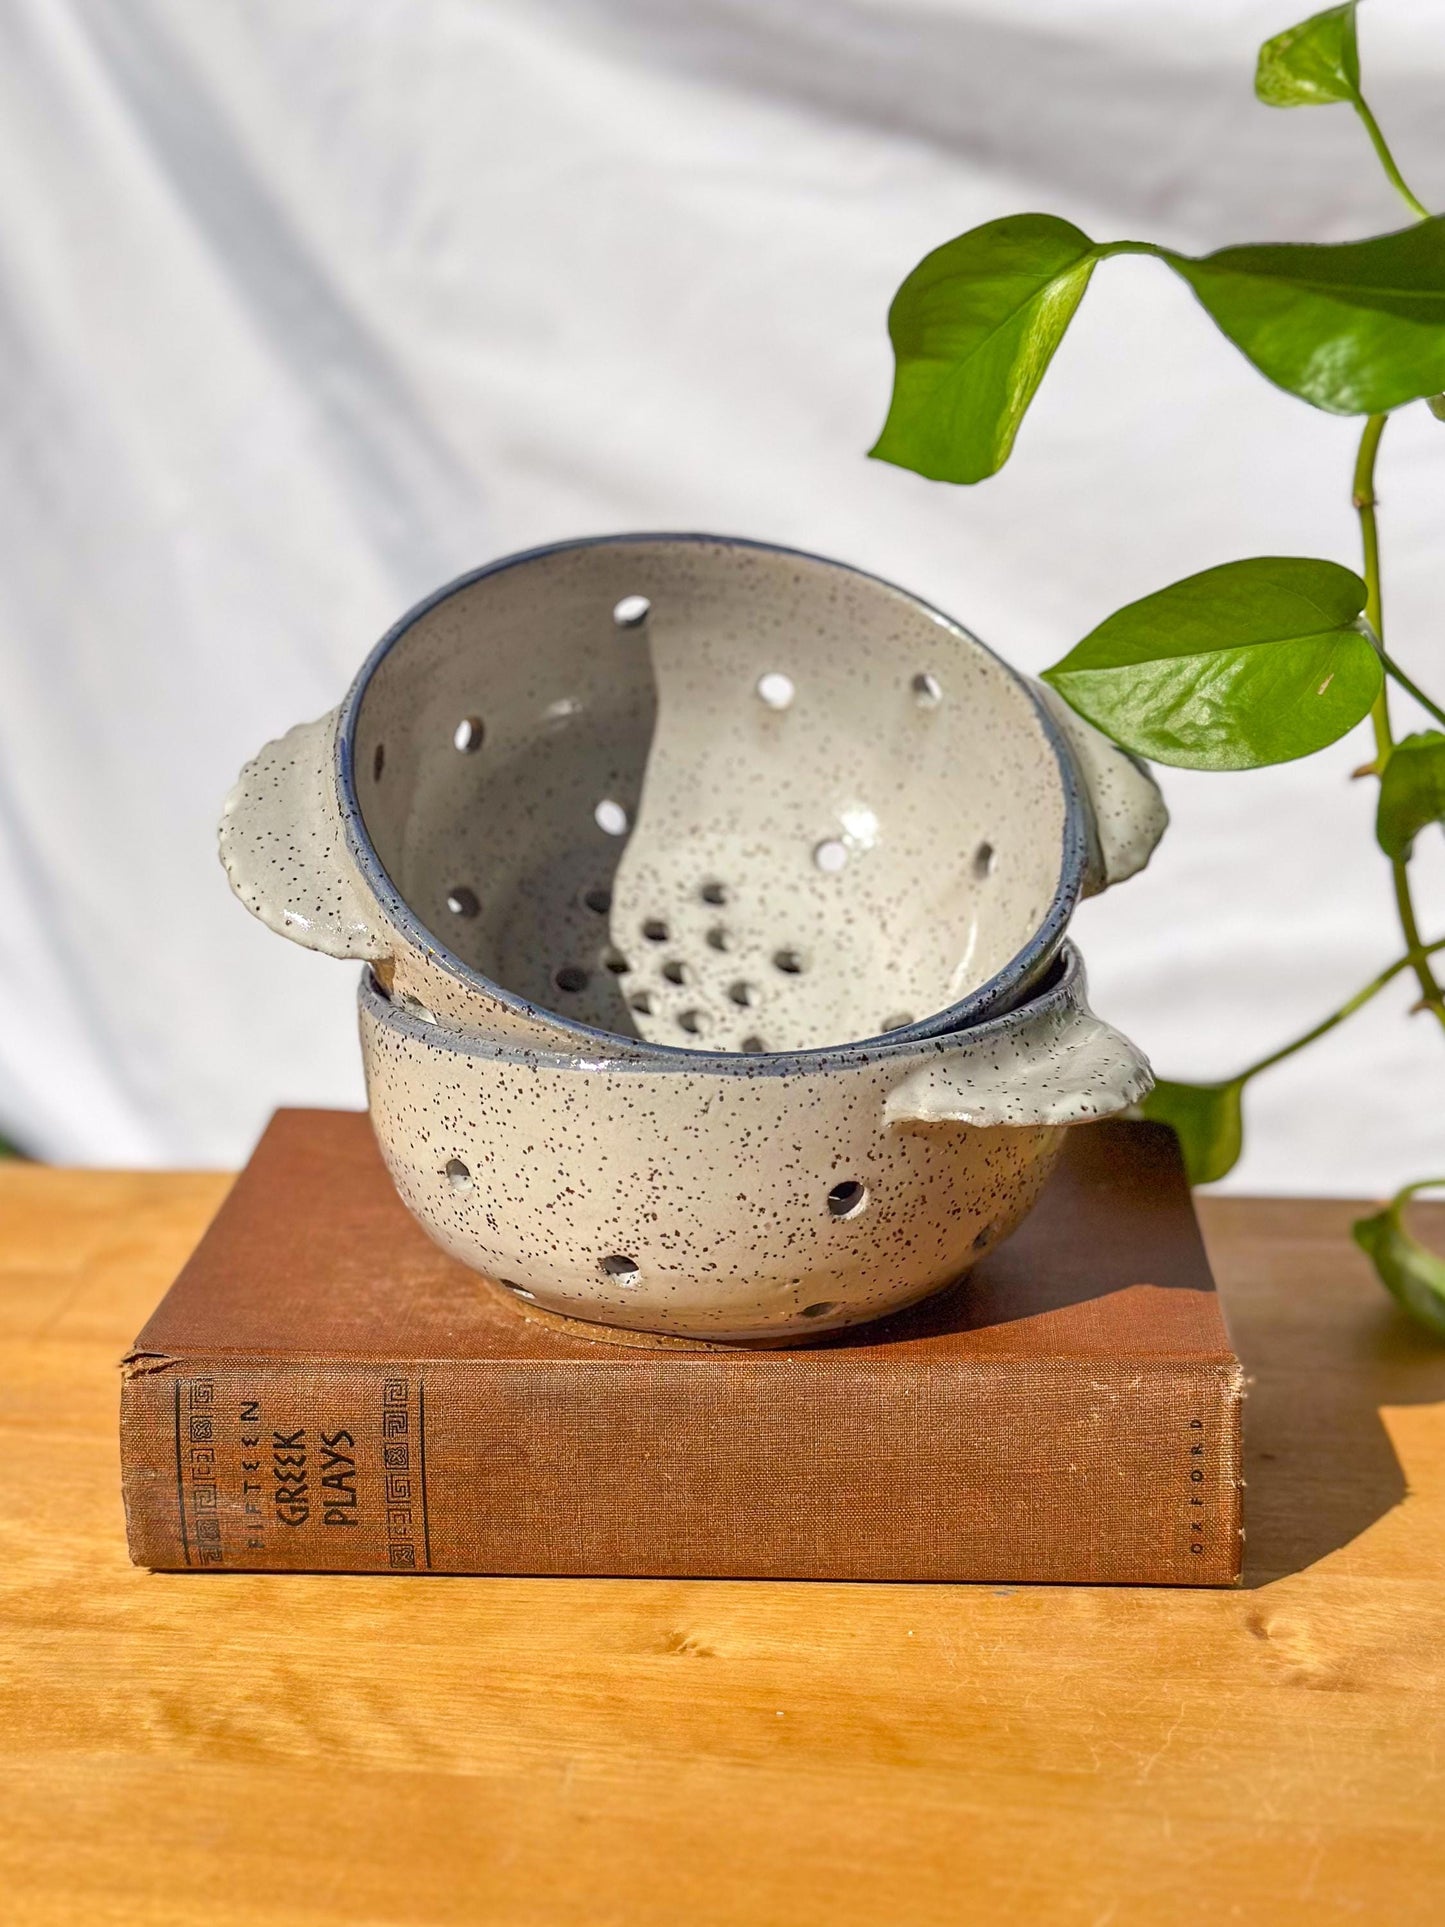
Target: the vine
(1248, 663)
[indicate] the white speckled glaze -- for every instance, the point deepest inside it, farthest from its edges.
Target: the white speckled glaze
(730, 1197)
(897, 848)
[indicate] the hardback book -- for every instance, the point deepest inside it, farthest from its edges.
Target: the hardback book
(323, 1389)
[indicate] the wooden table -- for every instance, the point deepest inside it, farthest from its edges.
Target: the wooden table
(361, 1751)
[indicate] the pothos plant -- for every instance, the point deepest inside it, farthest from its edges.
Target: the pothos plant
(1248, 663)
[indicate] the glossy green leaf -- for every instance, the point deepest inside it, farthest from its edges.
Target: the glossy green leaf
(973, 329)
(1357, 328)
(1311, 64)
(1248, 664)
(1208, 1121)
(1408, 1270)
(1412, 791)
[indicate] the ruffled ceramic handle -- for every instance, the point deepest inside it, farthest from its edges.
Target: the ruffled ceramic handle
(1063, 1066)
(1124, 803)
(285, 853)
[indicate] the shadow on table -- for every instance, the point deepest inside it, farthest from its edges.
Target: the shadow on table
(1318, 1463)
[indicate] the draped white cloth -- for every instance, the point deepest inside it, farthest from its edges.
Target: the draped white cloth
(307, 305)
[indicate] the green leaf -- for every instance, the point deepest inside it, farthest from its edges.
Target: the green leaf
(1408, 1270)
(1208, 1121)
(1251, 663)
(1436, 405)
(1356, 328)
(1412, 791)
(973, 329)
(1311, 64)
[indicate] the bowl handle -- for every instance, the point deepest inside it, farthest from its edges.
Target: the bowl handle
(1060, 1067)
(1126, 811)
(285, 853)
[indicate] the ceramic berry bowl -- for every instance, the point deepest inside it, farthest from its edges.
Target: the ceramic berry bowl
(734, 1197)
(660, 794)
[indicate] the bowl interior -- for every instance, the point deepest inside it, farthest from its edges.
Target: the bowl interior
(715, 795)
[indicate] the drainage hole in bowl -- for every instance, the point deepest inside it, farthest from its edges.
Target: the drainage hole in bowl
(624, 1270)
(655, 930)
(611, 817)
(927, 690)
(462, 902)
(414, 1007)
(830, 856)
(820, 1310)
(614, 961)
(599, 901)
(984, 1237)
(468, 734)
(898, 1020)
(641, 1002)
(752, 1045)
(983, 860)
(378, 762)
(459, 1175)
(714, 892)
(743, 994)
(847, 1199)
(571, 977)
(631, 612)
(692, 1021)
(788, 961)
(675, 971)
(520, 1291)
(776, 689)
(718, 938)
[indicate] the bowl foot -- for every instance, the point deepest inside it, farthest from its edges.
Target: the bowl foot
(645, 1341)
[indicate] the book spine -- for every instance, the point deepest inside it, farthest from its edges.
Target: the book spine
(1119, 1474)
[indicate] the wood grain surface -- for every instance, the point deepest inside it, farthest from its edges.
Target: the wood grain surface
(241, 1749)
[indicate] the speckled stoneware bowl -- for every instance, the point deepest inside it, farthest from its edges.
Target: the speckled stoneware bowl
(730, 1197)
(651, 793)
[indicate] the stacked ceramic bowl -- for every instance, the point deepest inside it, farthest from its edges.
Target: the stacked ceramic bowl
(715, 899)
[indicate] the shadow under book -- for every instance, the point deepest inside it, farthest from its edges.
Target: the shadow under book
(323, 1389)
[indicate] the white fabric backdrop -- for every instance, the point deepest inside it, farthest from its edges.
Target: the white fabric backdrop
(307, 305)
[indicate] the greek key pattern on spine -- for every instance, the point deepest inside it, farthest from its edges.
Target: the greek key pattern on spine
(200, 1498)
(403, 1459)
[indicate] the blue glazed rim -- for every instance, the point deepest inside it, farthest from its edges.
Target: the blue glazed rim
(989, 999)
(1064, 983)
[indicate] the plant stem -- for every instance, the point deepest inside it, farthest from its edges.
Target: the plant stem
(1346, 1009)
(1412, 689)
(1408, 1191)
(1105, 250)
(1387, 160)
(1366, 501)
